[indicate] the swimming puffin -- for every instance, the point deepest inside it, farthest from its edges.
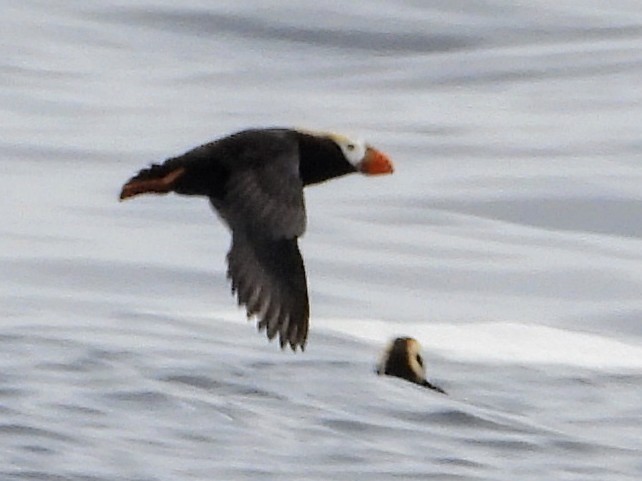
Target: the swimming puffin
(254, 180)
(402, 358)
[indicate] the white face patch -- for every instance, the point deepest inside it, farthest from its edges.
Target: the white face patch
(353, 149)
(414, 359)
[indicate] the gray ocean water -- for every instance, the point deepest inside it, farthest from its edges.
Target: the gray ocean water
(508, 242)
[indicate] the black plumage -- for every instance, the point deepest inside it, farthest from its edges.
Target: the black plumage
(402, 358)
(254, 180)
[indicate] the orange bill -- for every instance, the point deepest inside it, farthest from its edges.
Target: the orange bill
(375, 163)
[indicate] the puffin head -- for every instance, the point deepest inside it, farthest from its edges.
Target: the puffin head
(402, 358)
(363, 157)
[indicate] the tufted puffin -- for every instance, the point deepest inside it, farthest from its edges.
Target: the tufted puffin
(402, 358)
(254, 180)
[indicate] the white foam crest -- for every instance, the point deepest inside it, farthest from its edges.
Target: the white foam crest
(489, 342)
(500, 342)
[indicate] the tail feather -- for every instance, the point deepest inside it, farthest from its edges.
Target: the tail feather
(156, 179)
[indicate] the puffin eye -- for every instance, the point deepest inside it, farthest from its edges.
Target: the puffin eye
(350, 147)
(420, 361)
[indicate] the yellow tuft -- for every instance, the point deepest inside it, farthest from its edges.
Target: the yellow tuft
(338, 138)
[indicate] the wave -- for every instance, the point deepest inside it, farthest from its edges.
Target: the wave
(485, 342)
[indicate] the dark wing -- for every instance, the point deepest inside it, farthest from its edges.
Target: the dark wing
(264, 207)
(266, 196)
(268, 277)
(265, 203)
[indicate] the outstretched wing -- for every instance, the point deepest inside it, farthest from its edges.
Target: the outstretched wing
(264, 207)
(264, 192)
(268, 277)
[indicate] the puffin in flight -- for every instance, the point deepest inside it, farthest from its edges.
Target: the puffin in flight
(254, 180)
(402, 358)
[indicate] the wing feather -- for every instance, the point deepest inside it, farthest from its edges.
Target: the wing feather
(268, 277)
(267, 197)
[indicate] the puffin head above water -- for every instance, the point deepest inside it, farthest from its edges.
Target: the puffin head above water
(254, 180)
(402, 358)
